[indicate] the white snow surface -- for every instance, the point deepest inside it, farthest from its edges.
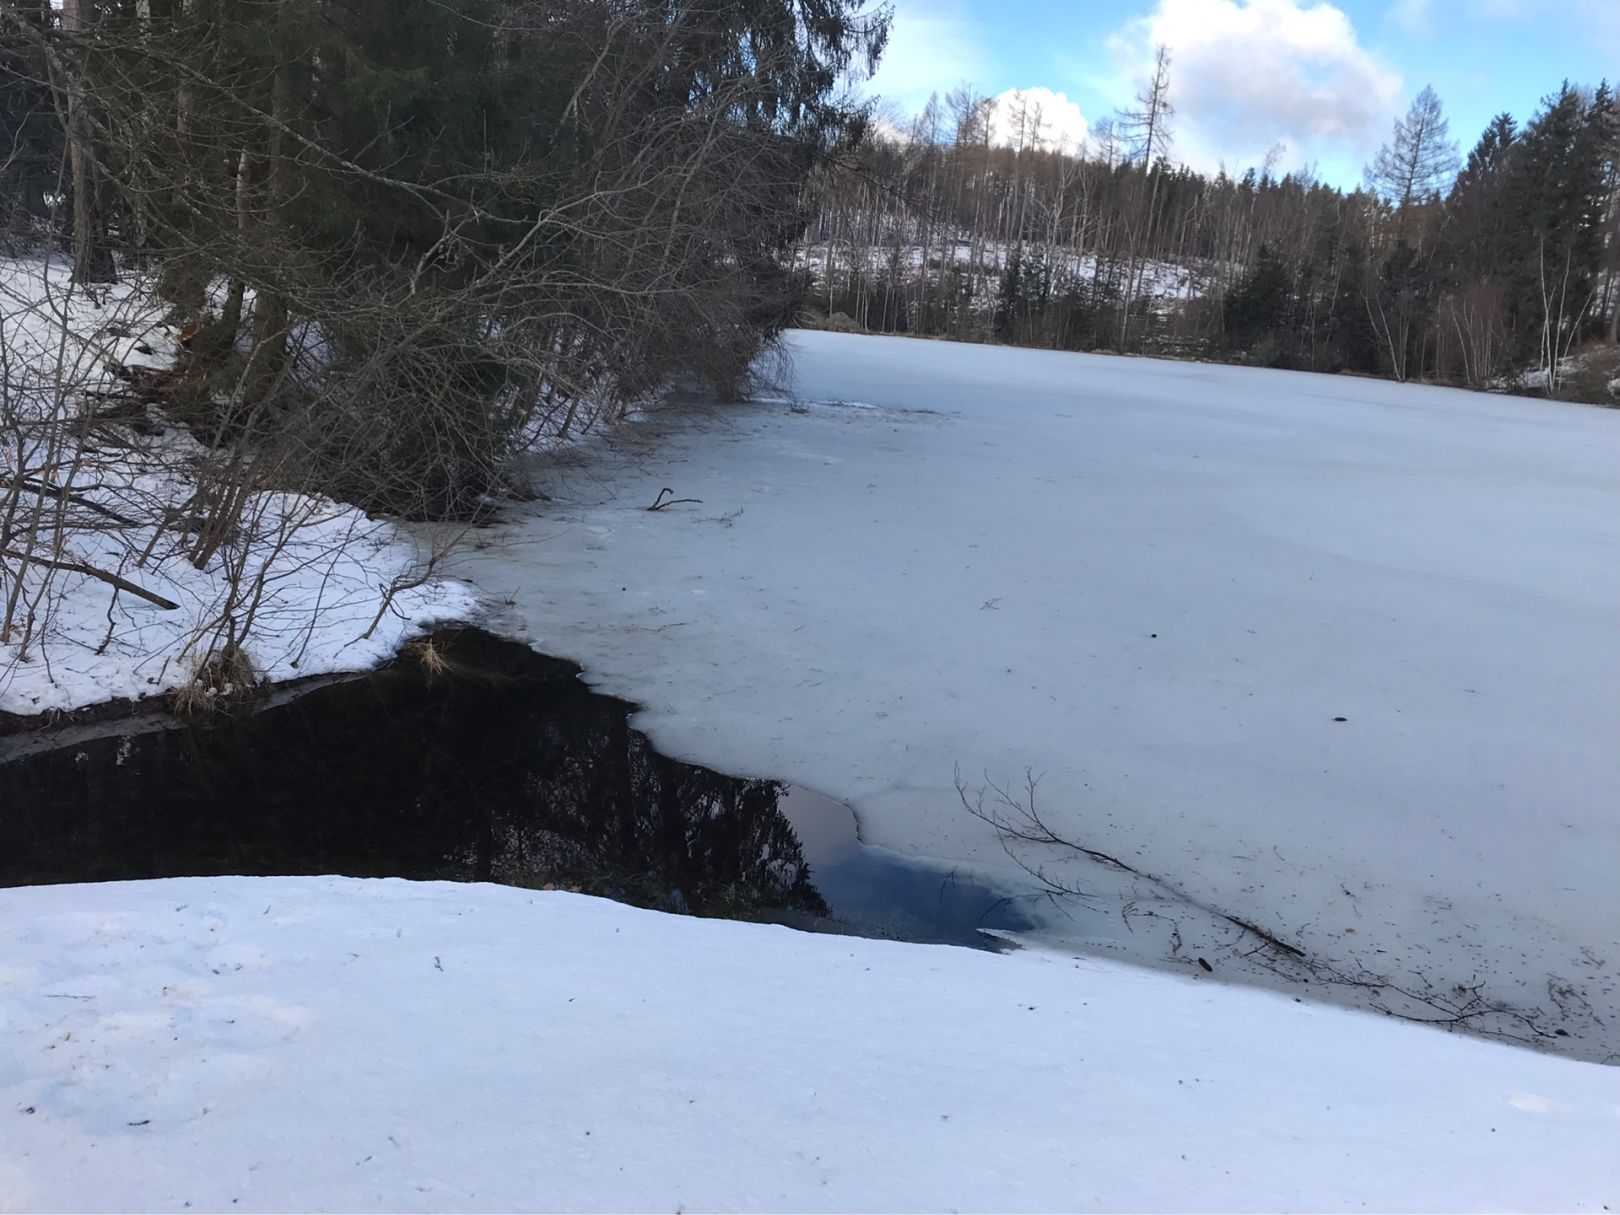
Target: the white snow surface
(326, 569)
(325, 587)
(335, 1045)
(1155, 585)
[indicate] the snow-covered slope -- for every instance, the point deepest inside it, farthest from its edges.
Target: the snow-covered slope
(337, 1045)
(902, 260)
(1161, 585)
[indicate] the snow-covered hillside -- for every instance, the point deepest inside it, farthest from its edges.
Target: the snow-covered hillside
(1333, 657)
(332, 1045)
(902, 259)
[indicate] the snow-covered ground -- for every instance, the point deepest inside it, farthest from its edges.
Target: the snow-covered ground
(325, 588)
(904, 257)
(1333, 656)
(1593, 366)
(321, 1044)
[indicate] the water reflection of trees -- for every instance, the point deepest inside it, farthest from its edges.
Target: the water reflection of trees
(512, 772)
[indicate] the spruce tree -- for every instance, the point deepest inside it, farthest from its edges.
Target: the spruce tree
(1552, 244)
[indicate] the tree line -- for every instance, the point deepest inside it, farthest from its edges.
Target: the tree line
(1486, 271)
(404, 235)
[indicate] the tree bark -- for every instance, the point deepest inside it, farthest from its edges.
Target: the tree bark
(92, 256)
(269, 359)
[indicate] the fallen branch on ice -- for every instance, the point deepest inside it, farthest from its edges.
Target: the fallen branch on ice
(660, 503)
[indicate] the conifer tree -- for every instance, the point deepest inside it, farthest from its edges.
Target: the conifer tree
(1419, 159)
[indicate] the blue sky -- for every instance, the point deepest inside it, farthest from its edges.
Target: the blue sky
(1326, 80)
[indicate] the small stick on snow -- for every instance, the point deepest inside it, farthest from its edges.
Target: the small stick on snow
(660, 504)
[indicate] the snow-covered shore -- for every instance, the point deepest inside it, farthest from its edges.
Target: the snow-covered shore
(1162, 586)
(321, 1044)
(327, 584)
(319, 587)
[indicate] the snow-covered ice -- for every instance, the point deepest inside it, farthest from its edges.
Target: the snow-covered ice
(1161, 585)
(323, 1044)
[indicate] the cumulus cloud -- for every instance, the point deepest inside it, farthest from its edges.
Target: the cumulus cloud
(1060, 122)
(1248, 75)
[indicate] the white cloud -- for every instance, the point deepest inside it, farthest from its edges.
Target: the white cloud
(1060, 122)
(934, 45)
(1247, 75)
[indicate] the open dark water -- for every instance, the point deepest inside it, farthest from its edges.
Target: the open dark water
(505, 768)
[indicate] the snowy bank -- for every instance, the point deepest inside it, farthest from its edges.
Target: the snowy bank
(1335, 656)
(305, 585)
(329, 606)
(338, 1045)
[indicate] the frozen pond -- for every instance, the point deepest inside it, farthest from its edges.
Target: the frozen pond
(1333, 658)
(503, 768)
